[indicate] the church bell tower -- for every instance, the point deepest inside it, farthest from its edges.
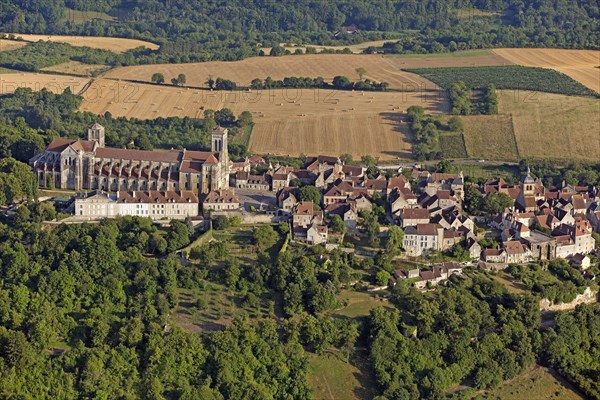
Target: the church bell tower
(96, 133)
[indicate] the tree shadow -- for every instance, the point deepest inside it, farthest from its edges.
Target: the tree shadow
(398, 122)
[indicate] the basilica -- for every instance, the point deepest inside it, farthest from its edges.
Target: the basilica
(89, 165)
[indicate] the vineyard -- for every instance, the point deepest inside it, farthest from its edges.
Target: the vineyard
(511, 77)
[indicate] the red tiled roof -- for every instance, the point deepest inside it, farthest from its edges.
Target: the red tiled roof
(415, 213)
(59, 144)
(428, 229)
(145, 155)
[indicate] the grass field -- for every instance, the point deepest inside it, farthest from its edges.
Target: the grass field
(11, 44)
(54, 83)
(490, 137)
(107, 43)
(77, 68)
(355, 48)
(553, 126)
(538, 384)
(581, 65)
(359, 304)
(332, 378)
(220, 308)
(514, 77)
(287, 122)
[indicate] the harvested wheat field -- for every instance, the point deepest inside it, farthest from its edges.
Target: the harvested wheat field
(77, 68)
(581, 65)
(118, 45)
(377, 135)
(55, 83)
(378, 68)
(290, 121)
(6, 45)
(553, 126)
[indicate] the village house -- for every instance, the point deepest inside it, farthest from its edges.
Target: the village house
(221, 200)
(307, 224)
(580, 261)
(473, 247)
(413, 217)
(400, 199)
(423, 238)
(346, 211)
(279, 181)
(151, 204)
(287, 199)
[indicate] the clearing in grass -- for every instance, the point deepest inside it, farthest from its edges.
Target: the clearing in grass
(332, 378)
(538, 384)
(358, 304)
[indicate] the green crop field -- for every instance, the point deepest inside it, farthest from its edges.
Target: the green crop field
(452, 145)
(506, 77)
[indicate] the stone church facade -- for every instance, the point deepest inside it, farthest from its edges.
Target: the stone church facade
(89, 165)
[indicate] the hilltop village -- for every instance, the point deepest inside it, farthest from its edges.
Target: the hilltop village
(326, 200)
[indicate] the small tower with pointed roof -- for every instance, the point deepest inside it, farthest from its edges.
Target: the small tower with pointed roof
(528, 184)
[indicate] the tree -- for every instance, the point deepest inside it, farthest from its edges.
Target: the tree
(495, 203)
(179, 81)
(361, 72)
(310, 193)
(264, 237)
(221, 222)
(346, 158)
(341, 82)
(473, 199)
(383, 277)
(337, 224)
(277, 51)
(210, 82)
(394, 239)
(224, 117)
(456, 124)
(158, 78)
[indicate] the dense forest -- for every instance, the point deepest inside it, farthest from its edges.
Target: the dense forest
(201, 30)
(87, 309)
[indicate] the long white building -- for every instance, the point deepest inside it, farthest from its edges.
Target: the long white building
(152, 204)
